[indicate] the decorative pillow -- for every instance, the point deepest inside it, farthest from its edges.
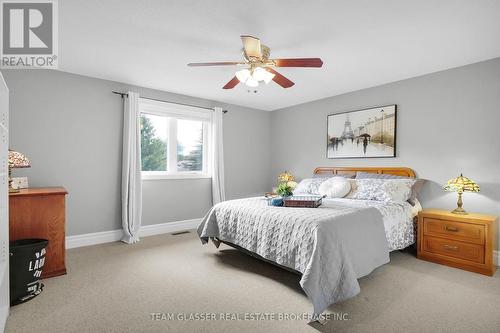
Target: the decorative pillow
(336, 187)
(381, 189)
(415, 190)
(309, 186)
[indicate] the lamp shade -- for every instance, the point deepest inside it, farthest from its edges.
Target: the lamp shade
(260, 74)
(251, 82)
(243, 75)
(461, 184)
(18, 160)
(251, 77)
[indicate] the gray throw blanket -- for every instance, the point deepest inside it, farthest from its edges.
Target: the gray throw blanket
(332, 246)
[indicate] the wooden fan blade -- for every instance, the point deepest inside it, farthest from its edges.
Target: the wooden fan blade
(280, 79)
(252, 46)
(299, 62)
(231, 84)
(221, 63)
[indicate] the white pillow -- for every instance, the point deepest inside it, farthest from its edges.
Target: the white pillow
(335, 187)
(381, 189)
(309, 186)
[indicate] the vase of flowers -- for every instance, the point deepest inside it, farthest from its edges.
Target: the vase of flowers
(286, 184)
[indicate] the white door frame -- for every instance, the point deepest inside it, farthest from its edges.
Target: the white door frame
(4, 204)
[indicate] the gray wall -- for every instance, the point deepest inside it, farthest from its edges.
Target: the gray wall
(448, 122)
(70, 126)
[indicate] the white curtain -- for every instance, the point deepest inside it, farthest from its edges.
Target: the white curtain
(131, 170)
(218, 192)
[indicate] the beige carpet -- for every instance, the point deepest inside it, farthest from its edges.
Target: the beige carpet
(115, 287)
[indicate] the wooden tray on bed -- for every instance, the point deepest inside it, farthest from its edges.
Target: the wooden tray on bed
(303, 201)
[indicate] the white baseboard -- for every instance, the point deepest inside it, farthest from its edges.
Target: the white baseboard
(93, 238)
(115, 235)
(169, 227)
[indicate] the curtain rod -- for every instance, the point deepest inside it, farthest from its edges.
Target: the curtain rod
(123, 94)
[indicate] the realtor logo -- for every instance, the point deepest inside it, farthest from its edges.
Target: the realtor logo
(29, 34)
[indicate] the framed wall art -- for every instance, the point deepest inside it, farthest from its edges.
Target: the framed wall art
(362, 133)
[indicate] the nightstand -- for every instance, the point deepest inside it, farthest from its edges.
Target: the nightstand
(40, 213)
(462, 241)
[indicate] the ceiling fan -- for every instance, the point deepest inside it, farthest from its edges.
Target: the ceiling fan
(258, 66)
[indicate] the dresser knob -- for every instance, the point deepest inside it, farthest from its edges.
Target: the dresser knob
(448, 228)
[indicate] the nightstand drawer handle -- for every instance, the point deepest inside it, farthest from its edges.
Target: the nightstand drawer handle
(450, 247)
(448, 228)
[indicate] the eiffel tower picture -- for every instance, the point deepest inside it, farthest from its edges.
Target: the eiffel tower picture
(347, 133)
(362, 133)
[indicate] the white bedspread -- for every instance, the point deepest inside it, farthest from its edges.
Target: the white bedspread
(397, 216)
(332, 246)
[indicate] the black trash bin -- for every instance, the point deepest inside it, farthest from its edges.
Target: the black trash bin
(27, 257)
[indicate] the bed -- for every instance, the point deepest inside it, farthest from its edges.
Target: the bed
(331, 246)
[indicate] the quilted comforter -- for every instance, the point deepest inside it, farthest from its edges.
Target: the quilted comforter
(332, 246)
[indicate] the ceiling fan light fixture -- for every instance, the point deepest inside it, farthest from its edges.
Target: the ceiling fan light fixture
(243, 75)
(249, 77)
(260, 74)
(251, 82)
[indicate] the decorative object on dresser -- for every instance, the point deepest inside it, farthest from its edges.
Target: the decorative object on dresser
(16, 161)
(20, 182)
(460, 185)
(461, 241)
(40, 213)
(363, 133)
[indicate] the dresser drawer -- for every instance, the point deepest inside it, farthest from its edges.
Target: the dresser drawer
(467, 232)
(455, 249)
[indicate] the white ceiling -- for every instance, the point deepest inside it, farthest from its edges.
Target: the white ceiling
(362, 43)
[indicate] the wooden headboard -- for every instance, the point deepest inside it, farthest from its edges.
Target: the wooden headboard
(397, 171)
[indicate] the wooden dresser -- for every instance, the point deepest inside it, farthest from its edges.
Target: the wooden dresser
(41, 213)
(462, 241)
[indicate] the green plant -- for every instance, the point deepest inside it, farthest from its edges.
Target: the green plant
(286, 188)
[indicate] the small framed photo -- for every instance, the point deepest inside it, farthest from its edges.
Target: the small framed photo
(19, 182)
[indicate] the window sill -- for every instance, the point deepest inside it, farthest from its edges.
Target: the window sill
(175, 176)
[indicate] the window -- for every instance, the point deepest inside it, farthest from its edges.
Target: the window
(174, 140)
(189, 145)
